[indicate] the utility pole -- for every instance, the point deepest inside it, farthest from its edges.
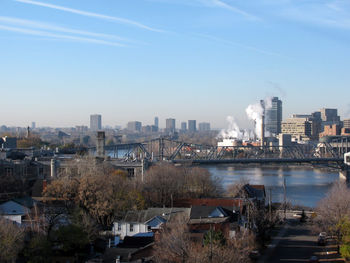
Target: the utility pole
(270, 203)
(284, 197)
(211, 245)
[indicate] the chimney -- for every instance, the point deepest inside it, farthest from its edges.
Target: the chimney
(44, 185)
(263, 130)
(53, 168)
(100, 144)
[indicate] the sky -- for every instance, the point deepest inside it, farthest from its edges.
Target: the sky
(62, 60)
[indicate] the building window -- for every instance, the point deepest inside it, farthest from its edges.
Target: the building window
(131, 228)
(119, 227)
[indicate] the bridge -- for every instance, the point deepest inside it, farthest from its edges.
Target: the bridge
(183, 152)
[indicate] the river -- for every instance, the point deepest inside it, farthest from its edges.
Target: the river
(305, 185)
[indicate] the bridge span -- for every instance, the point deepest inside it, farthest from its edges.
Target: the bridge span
(165, 149)
(316, 161)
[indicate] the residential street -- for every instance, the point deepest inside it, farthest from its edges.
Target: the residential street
(297, 243)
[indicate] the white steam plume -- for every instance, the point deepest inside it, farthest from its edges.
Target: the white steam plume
(254, 112)
(234, 132)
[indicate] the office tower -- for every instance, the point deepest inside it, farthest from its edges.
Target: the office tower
(192, 127)
(273, 117)
(95, 122)
(183, 126)
(204, 126)
(156, 122)
(134, 126)
(33, 125)
(329, 115)
(170, 125)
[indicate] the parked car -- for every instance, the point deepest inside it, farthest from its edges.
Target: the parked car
(322, 239)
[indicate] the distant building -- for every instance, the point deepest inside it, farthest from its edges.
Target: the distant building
(183, 126)
(346, 123)
(170, 125)
(300, 128)
(149, 128)
(33, 125)
(204, 126)
(316, 123)
(192, 126)
(329, 115)
(331, 130)
(134, 126)
(81, 128)
(156, 122)
(95, 122)
(273, 117)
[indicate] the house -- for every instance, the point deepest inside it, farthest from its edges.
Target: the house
(145, 221)
(204, 218)
(254, 193)
(13, 211)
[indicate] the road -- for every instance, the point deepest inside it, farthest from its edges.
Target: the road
(297, 243)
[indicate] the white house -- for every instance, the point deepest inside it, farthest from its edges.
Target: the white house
(145, 222)
(13, 211)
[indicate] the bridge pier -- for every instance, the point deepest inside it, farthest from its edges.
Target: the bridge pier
(345, 173)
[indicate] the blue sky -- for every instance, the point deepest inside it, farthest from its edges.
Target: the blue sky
(63, 60)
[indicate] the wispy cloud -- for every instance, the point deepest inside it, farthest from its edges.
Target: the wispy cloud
(51, 27)
(247, 47)
(91, 14)
(329, 13)
(58, 36)
(224, 5)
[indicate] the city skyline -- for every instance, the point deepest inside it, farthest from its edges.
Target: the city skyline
(200, 59)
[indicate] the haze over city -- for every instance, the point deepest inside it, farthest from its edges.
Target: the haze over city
(199, 59)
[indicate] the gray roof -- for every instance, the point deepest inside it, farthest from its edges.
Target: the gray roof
(12, 208)
(143, 216)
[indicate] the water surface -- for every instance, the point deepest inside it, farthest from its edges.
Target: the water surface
(304, 185)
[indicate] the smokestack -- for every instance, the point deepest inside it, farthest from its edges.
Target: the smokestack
(263, 130)
(100, 144)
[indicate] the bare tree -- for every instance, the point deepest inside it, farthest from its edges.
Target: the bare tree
(11, 240)
(333, 208)
(174, 244)
(165, 182)
(236, 189)
(103, 192)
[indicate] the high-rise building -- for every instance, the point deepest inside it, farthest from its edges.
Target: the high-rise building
(183, 126)
(329, 115)
(204, 126)
(33, 125)
(170, 125)
(134, 126)
(273, 117)
(156, 122)
(192, 127)
(95, 122)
